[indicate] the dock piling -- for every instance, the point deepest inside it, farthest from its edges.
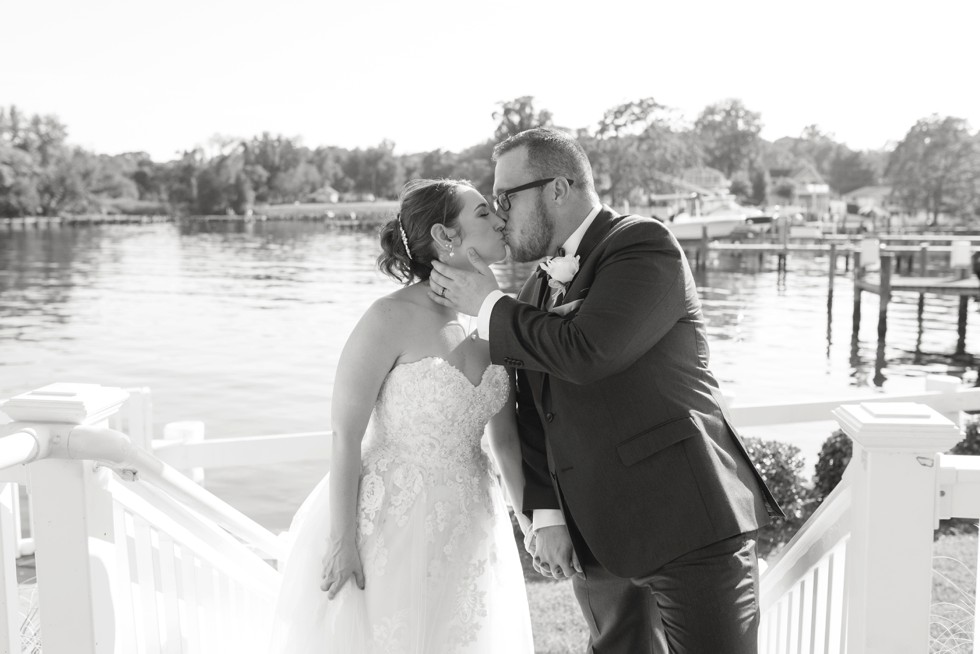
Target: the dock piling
(884, 294)
(961, 326)
(858, 274)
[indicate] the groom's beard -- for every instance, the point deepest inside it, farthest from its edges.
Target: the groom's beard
(534, 240)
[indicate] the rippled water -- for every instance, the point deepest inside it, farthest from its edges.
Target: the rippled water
(241, 326)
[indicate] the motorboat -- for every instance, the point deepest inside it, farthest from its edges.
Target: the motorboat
(721, 217)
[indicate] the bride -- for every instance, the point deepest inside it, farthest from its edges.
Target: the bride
(406, 546)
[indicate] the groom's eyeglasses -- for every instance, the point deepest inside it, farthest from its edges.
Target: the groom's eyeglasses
(501, 202)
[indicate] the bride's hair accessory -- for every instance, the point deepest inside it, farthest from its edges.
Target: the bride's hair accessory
(401, 230)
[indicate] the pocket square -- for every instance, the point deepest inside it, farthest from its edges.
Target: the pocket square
(565, 309)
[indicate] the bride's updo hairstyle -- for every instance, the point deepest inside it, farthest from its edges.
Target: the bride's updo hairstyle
(407, 249)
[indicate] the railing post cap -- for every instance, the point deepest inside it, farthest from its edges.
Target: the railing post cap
(66, 403)
(906, 426)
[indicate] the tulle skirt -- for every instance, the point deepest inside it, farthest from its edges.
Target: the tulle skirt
(442, 572)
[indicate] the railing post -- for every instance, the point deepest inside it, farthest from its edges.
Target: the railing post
(946, 384)
(894, 480)
(10, 600)
(73, 520)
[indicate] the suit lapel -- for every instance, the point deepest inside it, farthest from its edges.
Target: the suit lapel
(600, 226)
(602, 223)
(542, 292)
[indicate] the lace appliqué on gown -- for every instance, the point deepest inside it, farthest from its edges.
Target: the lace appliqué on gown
(440, 562)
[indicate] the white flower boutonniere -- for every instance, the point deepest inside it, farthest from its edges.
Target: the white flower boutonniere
(560, 270)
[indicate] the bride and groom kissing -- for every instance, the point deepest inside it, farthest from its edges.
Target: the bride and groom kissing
(604, 421)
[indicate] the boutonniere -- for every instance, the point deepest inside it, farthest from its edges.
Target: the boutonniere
(560, 271)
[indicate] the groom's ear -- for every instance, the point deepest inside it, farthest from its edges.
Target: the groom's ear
(562, 189)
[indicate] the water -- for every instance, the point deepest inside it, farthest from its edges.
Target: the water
(241, 326)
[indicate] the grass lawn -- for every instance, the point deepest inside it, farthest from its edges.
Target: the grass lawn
(560, 629)
(954, 580)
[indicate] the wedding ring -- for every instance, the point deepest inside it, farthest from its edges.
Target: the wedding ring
(443, 293)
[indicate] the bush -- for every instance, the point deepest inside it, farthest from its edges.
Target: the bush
(835, 454)
(781, 466)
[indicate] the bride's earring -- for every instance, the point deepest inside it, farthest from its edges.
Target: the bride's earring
(451, 252)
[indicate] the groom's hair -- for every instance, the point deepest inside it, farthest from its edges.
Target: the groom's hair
(551, 153)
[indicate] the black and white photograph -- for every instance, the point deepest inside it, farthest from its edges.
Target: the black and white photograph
(443, 327)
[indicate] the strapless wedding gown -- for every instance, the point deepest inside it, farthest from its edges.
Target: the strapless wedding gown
(441, 568)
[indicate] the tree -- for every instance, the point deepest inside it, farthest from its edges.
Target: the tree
(375, 171)
(474, 163)
(850, 170)
(18, 188)
(936, 168)
(518, 115)
(635, 143)
(729, 134)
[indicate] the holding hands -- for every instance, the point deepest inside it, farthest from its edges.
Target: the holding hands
(553, 554)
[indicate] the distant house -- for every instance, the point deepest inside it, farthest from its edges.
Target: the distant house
(327, 194)
(870, 197)
(810, 191)
(708, 179)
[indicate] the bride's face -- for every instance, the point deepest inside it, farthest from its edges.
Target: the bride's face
(478, 227)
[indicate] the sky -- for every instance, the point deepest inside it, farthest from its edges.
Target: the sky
(163, 77)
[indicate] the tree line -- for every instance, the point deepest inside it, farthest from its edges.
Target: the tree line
(637, 148)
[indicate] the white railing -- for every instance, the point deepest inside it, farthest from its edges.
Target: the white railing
(132, 555)
(857, 578)
(167, 562)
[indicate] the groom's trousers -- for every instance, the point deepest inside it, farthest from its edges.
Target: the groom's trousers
(705, 602)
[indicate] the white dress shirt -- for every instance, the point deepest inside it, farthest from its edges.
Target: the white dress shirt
(542, 517)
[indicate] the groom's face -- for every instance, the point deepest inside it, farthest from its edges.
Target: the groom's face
(530, 224)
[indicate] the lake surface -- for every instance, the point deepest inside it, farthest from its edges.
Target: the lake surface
(241, 326)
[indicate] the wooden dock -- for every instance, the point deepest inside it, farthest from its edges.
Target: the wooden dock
(959, 282)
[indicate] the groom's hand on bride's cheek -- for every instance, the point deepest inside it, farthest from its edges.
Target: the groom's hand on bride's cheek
(463, 290)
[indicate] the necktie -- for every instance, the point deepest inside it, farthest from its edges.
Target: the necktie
(558, 294)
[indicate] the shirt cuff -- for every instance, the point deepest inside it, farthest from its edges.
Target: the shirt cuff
(483, 319)
(547, 518)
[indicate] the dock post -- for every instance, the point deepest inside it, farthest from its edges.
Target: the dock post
(884, 294)
(923, 258)
(856, 320)
(833, 266)
(784, 236)
(961, 326)
(703, 258)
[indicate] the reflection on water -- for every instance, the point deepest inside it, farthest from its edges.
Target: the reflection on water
(241, 325)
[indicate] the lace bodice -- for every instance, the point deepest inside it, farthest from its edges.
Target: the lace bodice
(428, 411)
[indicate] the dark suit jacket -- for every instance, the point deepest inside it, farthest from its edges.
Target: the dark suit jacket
(622, 424)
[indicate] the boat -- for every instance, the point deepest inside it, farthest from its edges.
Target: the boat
(720, 215)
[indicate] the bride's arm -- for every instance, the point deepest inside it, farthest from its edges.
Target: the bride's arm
(366, 359)
(505, 445)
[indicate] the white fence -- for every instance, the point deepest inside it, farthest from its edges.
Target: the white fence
(132, 556)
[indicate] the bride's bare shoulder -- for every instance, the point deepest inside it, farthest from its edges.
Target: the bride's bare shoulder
(404, 306)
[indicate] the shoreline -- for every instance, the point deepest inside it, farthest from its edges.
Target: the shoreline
(342, 214)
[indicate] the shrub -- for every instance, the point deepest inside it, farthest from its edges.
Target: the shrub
(835, 454)
(781, 466)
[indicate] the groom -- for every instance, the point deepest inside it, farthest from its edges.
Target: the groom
(637, 484)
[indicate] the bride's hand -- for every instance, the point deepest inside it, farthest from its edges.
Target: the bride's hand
(340, 563)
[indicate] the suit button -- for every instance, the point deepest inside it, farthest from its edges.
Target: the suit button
(549, 416)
